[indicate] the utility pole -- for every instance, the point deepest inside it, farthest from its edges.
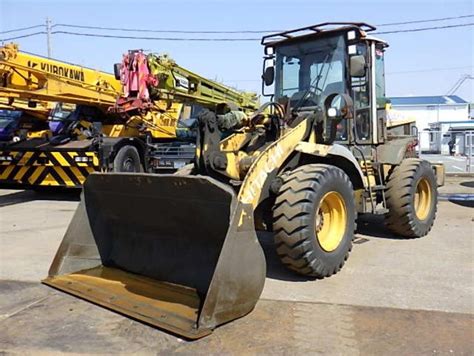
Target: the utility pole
(48, 35)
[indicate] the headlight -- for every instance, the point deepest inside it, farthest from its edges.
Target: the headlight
(83, 159)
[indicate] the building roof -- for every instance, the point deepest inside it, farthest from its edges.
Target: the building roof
(427, 100)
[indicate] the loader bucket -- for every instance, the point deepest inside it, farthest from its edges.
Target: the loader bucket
(177, 252)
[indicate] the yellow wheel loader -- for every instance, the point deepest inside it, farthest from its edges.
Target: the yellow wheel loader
(181, 251)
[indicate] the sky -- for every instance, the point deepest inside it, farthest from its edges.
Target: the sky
(417, 63)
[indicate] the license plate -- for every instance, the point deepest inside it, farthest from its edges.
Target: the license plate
(179, 164)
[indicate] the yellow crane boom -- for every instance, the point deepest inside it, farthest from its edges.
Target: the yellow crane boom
(31, 77)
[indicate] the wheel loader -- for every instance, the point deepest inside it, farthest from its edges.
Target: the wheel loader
(180, 251)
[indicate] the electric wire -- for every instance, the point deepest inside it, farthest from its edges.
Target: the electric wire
(215, 31)
(202, 39)
(23, 36)
(21, 29)
(427, 20)
(237, 31)
(162, 31)
(154, 38)
(424, 29)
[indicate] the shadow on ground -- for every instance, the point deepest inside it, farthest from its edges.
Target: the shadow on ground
(275, 269)
(374, 226)
(465, 203)
(468, 184)
(25, 196)
(371, 226)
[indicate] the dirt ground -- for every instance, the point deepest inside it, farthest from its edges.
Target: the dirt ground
(394, 296)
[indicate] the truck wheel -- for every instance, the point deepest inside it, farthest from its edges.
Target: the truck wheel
(127, 160)
(314, 220)
(411, 197)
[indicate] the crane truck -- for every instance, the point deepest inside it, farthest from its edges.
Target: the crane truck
(181, 252)
(52, 89)
(108, 129)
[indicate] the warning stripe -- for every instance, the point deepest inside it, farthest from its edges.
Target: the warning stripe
(60, 159)
(95, 159)
(49, 179)
(25, 179)
(70, 159)
(59, 180)
(79, 175)
(20, 173)
(64, 176)
(77, 180)
(49, 168)
(42, 176)
(25, 158)
(36, 173)
(13, 172)
(6, 172)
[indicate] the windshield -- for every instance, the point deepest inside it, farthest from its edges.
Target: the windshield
(61, 113)
(308, 72)
(8, 117)
(4, 122)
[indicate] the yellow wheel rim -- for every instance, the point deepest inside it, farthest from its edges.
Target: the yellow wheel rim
(422, 201)
(330, 222)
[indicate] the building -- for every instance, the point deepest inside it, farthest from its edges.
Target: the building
(434, 113)
(459, 133)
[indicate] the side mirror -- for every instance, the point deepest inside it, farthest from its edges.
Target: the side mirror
(339, 106)
(357, 66)
(117, 67)
(269, 76)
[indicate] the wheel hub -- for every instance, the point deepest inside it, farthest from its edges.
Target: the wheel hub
(422, 199)
(319, 220)
(331, 221)
(128, 165)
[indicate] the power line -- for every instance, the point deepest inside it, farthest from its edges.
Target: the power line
(213, 39)
(424, 29)
(216, 31)
(21, 29)
(236, 39)
(163, 31)
(23, 36)
(427, 70)
(154, 38)
(236, 31)
(458, 83)
(427, 20)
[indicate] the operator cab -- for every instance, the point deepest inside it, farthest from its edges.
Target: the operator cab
(333, 68)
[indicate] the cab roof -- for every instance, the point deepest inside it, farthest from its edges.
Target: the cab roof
(316, 30)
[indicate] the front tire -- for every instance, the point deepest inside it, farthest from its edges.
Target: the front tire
(314, 220)
(411, 197)
(127, 160)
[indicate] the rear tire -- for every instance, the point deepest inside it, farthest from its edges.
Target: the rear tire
(127, 160)
(411, 197)
(314, 220)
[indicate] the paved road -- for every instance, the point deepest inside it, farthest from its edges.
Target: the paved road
(393, 296)
(453, 164)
